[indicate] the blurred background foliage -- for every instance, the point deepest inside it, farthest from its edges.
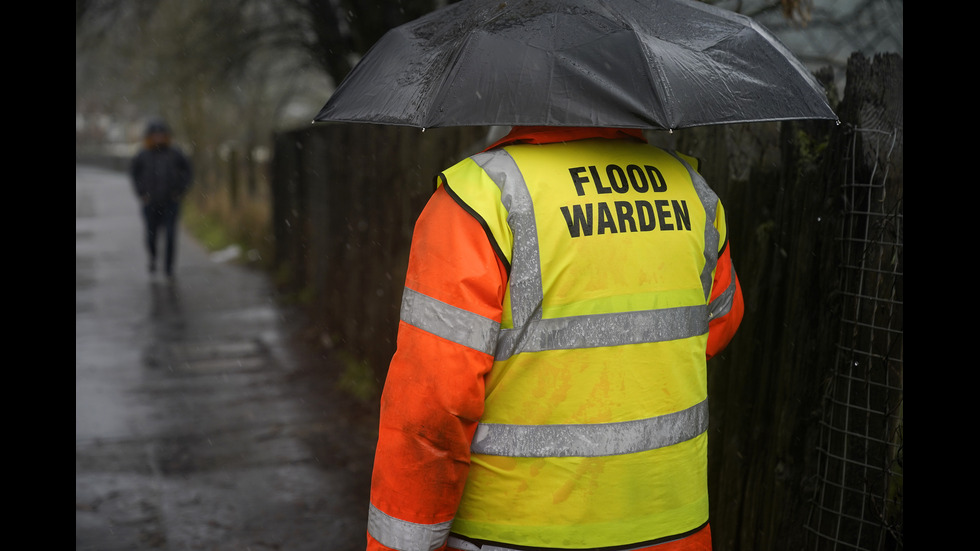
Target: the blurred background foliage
(229, 74)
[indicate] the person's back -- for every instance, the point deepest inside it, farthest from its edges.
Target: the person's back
(566, 407)
(160, 172)
(161, 175)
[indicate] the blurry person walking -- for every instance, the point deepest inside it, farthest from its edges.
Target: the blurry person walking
(161, 175)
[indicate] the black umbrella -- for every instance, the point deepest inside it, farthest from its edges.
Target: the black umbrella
(661, 64)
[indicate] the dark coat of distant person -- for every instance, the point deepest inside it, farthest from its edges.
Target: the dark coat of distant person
(161, 172)
(161, 175)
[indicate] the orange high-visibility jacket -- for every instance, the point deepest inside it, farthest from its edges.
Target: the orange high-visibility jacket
(611, 352)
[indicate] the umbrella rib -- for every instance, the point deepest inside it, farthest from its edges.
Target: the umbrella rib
(650, 69)
(459, 53)
(449, 77)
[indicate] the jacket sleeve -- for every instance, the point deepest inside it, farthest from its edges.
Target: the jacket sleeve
(434, 391)
(725, 304)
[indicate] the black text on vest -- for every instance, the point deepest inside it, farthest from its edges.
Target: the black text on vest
(603, 217)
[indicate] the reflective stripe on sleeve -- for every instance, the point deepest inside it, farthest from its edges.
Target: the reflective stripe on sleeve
(603, 330)
(449, 322)
(723, 302)
(594, 440)
(406, 536)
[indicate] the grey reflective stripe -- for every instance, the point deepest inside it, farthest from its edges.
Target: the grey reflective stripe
(526, 289)
(723, 302)
(406, 536)
(463, 545)
(603, 330)
(591, 440)
(449, 322)
(709, 200)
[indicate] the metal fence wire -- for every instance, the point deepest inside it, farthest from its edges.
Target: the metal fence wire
(858, 498)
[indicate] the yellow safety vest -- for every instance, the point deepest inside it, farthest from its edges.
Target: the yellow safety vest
(594, 431)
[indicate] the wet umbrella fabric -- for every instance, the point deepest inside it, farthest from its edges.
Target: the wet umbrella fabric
(661, 64)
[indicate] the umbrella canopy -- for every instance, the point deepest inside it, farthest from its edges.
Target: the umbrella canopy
(659, 64)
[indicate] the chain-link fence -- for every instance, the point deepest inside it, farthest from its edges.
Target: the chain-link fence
(859, 498)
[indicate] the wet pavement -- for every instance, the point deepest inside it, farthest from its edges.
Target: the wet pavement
(203, 418)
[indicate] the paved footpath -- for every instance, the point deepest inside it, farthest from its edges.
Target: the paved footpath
(202, 419)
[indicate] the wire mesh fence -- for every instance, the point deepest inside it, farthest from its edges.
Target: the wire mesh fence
(858, 503)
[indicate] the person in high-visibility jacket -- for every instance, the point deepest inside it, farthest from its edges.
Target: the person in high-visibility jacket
(565, 289)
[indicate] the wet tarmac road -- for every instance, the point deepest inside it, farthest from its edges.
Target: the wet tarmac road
(202, 419)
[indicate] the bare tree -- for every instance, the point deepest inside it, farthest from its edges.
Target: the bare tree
(232, 71)
(191, 58)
